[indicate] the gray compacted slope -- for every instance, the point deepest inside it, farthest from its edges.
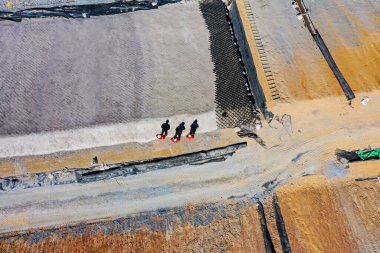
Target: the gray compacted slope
(69, 84)
(60, 74)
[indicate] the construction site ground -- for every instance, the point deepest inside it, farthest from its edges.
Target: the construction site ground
(299, 70)
(291, 150)
(285, 190)
(74, 84)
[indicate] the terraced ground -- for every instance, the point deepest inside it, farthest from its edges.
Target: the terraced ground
(284, 192)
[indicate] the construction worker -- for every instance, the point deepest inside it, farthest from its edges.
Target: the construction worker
(178, 131)
(165, 128)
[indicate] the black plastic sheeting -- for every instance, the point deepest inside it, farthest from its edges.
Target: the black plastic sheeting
(133, 168)
(82, 11)
(86, 175)
(269, 247)
(350, 156)
(285, 244)
(235, 105)
(330, 60)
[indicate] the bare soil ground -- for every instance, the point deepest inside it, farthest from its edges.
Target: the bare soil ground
(291, 150)
(350, 30)
(323, 212)
(232, 228)
(320, 214)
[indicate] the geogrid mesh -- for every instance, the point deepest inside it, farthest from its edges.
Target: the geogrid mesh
(233, 98)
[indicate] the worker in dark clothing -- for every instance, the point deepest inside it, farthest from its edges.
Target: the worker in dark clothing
(194, 127)
(178, 131)
(165, 128)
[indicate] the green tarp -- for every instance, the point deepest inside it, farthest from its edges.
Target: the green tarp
(369, 154)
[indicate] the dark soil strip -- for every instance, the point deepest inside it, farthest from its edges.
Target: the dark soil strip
(126, 169)
(281, 226)
(367, 179)
(234, 100)
(350, 156)
(212, 160)
(269, 247)
(250, 134)
(115, 170)
(330, 60)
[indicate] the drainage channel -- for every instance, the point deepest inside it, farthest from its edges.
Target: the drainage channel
(107, 171)
(269, 247)
(281, 226)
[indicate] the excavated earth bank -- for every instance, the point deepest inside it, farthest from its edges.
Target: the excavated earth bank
(336, 212)
(312, 214)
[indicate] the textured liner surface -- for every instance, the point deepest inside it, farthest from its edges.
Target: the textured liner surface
(59, 74)
(233, 104)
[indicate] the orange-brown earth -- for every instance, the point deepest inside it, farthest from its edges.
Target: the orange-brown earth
(299, 69)
(321, 214)
(234, 233)
(338, 215)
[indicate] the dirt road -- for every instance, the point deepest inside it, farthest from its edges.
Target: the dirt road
(290, 151)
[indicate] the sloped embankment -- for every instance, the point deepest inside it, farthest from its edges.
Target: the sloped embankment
(312, 214)
(228, 227)
(324, 215)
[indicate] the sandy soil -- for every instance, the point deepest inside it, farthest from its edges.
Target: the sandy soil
(364, 169)
(351, 33)
(271, 223)
(321, 215)
(254, 51)
(303, 150)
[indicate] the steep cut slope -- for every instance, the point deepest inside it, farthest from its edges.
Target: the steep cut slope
(233, 227)
(324, 215)
(280, 42)
(312, 214)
